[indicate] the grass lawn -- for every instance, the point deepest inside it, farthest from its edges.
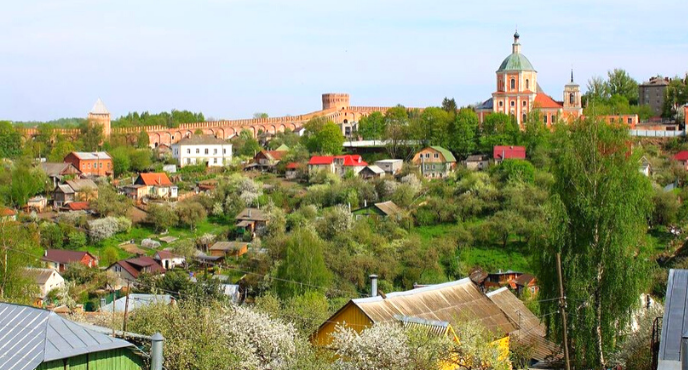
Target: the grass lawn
(139, 232)
(490, 257)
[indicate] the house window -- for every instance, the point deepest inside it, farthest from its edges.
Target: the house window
(188, 161)
(198, 150)
(100, 165)
(89, 166)
(224, 151)
(513, 84)
(630, 120)
(544, 116)
(427, 155)
(214, 160)
(206, 151)
(437, 155)
(553, 118)
(215, 151)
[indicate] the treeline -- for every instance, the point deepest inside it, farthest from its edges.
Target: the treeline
(615, 94)
(74, 122)
(170, 119)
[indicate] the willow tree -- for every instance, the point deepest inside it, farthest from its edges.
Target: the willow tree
(597, 220)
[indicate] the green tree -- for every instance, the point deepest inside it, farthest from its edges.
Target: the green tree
(140, 159)
(120, 160)
(142, 141)
(498, 129)
(109, 203)
(190, 213)
(10, 141)
(60, 150)
(431, 127)
(260, 115)
(91, 136)
(109, 255)
(303, 268)
(323, 136)
(372, 127)
(17, 249)
(598, 217)
(77, 239)
(51, 236)
(449, 106)
(620, 83)
(598, 90)
(26, 182)
(461, 133)
(162, 216)
(516, 170)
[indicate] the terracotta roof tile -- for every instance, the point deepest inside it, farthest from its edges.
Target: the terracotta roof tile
(543, 100)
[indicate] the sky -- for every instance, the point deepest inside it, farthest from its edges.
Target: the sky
(232, 58)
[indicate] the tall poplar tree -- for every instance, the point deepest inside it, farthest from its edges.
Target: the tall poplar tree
(597, 220)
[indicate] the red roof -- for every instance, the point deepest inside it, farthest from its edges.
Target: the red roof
(77, 206)
(509, 152)
(64, 256)
(348, 159)
(321, 160)
(165, 255)
(135, 266)
(277, 154)
(153, 178)
(7, 212)
(543, 100)
(292, 165)
(681, 156)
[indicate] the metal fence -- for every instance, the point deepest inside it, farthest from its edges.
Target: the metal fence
(658, 133)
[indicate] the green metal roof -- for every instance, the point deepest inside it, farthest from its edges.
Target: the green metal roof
(516, 62)
(448, 156)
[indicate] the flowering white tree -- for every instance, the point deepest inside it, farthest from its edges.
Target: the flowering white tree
(383, 346)
(103, 228)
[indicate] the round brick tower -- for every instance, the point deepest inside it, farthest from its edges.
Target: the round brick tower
(336, 101)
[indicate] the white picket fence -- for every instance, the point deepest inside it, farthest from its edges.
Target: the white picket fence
(658, 133)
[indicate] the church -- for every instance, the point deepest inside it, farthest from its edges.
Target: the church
(519, 93)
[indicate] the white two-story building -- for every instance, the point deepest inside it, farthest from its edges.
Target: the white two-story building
(198, 149)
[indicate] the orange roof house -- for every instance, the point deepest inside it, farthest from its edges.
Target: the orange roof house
(157, 185)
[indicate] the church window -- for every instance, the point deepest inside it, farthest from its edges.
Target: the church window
(572, 98)
(513, 84)
(501, 103)
(527, 84)
(524, 117)
(523, 103)
(513, 103)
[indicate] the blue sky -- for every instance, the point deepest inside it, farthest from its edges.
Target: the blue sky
(231, 58)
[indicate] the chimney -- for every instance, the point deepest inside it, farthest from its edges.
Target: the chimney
(156, 351)
(373, 285)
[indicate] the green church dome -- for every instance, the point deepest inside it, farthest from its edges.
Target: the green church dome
(516, 62)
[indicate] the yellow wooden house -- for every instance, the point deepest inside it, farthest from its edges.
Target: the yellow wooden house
(435, 307)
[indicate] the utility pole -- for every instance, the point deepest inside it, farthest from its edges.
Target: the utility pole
(126, 308)
(562, 308)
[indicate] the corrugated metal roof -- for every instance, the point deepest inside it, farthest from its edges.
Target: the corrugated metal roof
(388, 208)
(136, 301)
(452, 301)
(30, 336)
(531, 332)
(674, 323)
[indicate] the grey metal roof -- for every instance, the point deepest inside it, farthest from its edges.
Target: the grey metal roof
(91, 155)
(674, 323)
(137, 301)
(30, 336)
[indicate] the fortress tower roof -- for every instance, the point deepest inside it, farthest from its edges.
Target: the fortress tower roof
(99, 108)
